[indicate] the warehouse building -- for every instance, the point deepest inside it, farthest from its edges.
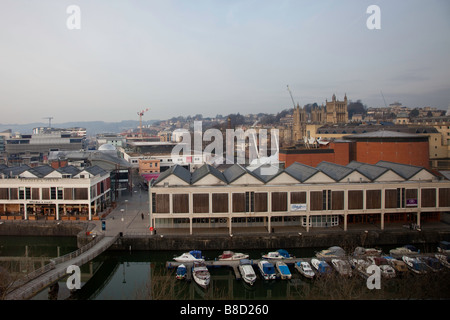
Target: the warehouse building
(298, 196)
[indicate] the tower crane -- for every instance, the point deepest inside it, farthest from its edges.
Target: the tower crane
(49, 121)
(140, 114)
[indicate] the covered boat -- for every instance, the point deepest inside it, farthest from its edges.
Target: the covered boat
(321, 266)
(432, 263)
(387, 271)
(201, 275)
(415, 265)
(277, 255)
(283, 269)
(232, 256)
(331, 252)
(444, 247)
(191, 256)
(305, 269)
(247, 271)
(342, 266)
(360, 251)
(181, 272)
(445, 260)
(267, 270)
(398, 265)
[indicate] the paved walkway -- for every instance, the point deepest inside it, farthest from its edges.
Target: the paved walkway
(131, 218)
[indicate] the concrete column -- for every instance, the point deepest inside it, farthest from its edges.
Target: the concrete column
(57, 211)
(418, 218)
(382, 220)
(345, 221)
(25, 213)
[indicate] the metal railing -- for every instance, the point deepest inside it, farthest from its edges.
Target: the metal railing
(54, 262)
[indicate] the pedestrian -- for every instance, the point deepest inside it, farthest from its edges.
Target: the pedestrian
(142, 215)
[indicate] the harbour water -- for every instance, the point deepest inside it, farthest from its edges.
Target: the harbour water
(141, 275)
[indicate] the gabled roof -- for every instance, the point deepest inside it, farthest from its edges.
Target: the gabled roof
(68, 170)
(369, 170)
(302, 172)
(176, 170)
(15, 171)
(234, 172)
(41, 171)
(205, 170)
(404, 170)
(261, 172)
(95, 170)
(335, 171)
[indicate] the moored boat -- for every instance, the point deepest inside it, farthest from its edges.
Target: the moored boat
(432, 263)
(277, 255)
(305, 269)
(283, 269)
(360, 266)
(247, 271)
(331, 252)
(322, 267)
(342, 266)
(181, 272)
(415, 265)
(191, 256)
(444, 247)
(398, 265)
(201, 274)
(445, 260)
(232, 256)
(387, 271)
(401, 251)
(360, 251)
(267, 270)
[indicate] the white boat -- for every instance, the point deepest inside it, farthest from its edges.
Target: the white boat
(283, 269)
(415, 265)
(398, 265)
(277, 255)
(267, 270)
(191, 256)
(360, 266)
(201, 275)
(305, 269)
(181, 272)
(445, 260)
(247, 271)
(387, 271)
(232, 256)
(360, 251)
(321, 266)
(342, 266)
(331, 252)
(444, 247)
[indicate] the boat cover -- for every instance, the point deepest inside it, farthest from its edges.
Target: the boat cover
(196, 253)
(268, 268)
(284, 253)
(244, 261)
(284, 269)
(444, 245)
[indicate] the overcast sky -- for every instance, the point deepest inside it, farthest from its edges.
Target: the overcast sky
(184, 57)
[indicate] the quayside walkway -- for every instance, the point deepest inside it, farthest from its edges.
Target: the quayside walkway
(57, 269)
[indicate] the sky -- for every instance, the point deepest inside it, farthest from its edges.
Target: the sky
(209, 57)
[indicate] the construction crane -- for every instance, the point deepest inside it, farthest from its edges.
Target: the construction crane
(49, 121)
(291, 96)
(140, 114)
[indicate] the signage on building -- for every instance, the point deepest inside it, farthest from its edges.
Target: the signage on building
(298, 207)
(411, 202)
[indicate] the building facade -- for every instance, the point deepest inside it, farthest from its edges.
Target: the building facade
(298, 196)
(44, 193)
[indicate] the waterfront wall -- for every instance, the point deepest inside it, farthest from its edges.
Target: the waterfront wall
(48, 229)
(286, 241)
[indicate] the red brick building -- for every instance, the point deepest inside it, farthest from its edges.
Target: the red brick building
(371, 147)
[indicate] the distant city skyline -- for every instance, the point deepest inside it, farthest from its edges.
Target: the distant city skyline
(182, 58)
